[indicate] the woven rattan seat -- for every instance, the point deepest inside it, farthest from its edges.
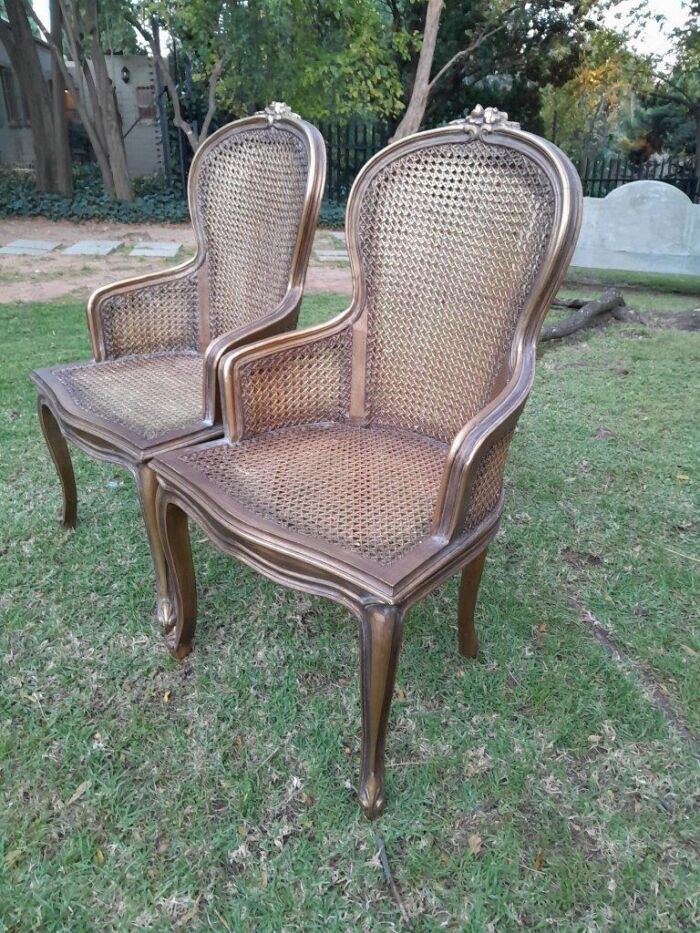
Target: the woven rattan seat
(367, 490)
(254, 194)
(150, 395)
(363, 459)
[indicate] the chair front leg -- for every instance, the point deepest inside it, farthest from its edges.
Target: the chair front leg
(381, 629)
(468, 592)
(60, 455)
(175, 537)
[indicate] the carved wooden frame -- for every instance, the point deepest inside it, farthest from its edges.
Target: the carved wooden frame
(378, 595)
(62, 419)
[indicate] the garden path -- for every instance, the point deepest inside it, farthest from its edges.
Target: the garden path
(53, 275)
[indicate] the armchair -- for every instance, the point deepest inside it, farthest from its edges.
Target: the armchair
(363, 459)
(254, 192)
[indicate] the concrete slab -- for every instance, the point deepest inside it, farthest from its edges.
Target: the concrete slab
(332, 255)
(92, 248)
(339, 235)
(28, 247)
(153, 250)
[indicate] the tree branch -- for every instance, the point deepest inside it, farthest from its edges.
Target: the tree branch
(213, 81)
(192, 137)
(472, 47)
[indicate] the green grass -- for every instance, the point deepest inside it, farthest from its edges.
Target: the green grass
(537, 787)
(660, 281)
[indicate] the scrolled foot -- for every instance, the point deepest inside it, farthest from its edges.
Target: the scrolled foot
(371, 797)
(166, 614)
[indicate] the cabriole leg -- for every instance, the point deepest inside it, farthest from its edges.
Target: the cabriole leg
(468, 591)
(147, 485)
(381, 628)
(174, 532)
(60, 455)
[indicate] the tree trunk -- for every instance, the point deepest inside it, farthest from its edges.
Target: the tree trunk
(415, 111)
(110, 118)
(61, 147)
(45, 129)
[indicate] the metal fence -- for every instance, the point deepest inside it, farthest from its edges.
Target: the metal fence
(601, 176)
(348, 147)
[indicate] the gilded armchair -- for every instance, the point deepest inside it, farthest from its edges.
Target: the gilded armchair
(157, 340)
(363, 458)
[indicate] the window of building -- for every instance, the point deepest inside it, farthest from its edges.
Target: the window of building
(16, 114)
(146, 102)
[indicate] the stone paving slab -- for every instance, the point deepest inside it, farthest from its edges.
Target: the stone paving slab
(28, 247)
(339, 235)
(161, 250)
(332, 255)
(92, 248)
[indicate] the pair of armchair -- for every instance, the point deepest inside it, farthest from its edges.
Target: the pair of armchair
(361, 459)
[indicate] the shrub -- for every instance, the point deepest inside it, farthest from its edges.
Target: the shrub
(153, 202)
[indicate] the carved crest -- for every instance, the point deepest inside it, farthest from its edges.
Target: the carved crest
(483, 120)
(276, 110)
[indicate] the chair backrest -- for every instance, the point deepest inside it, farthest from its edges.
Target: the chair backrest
(458, 237)
(255, 190)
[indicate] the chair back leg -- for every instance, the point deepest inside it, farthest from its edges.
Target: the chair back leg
(468, 592)
(58, 448)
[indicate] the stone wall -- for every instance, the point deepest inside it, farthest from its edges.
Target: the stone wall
(643, 226)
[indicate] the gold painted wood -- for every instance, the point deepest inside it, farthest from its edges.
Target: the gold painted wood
(254, 190)
(363, 458)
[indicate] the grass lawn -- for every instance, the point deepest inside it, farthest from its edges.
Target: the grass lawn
(542, 786)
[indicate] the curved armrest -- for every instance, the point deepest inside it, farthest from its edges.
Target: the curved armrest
(480, 448)
(293, 378)
(155, 312)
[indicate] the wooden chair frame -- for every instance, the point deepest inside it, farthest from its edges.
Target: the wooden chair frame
(377, 595)
(62, 419)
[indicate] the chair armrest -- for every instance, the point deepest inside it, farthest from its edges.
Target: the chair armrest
(473, 474)
(283, 318)
(293, 378)
(151, 313)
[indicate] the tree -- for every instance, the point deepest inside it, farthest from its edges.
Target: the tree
(333, 58)
(592, 111)
(498, 50)
(45, 98)
(91, 88)
(680, 86)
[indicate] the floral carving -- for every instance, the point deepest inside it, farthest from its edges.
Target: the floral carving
(276, 110)
(485, 119)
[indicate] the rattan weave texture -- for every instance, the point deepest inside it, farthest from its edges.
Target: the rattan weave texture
(155, 318)
(150, 395)
(452, 237)
(250, 198)
(488, 483)
(368, 490)
(298, 385)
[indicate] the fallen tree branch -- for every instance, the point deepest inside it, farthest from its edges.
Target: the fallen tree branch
(584, 313)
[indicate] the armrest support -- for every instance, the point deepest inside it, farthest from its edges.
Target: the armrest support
(292, 378)
(283, 318)
(151, 313)
(477, 456)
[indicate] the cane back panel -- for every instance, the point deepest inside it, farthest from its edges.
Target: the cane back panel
(247, 202)
(452, 237)
(250, 196)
